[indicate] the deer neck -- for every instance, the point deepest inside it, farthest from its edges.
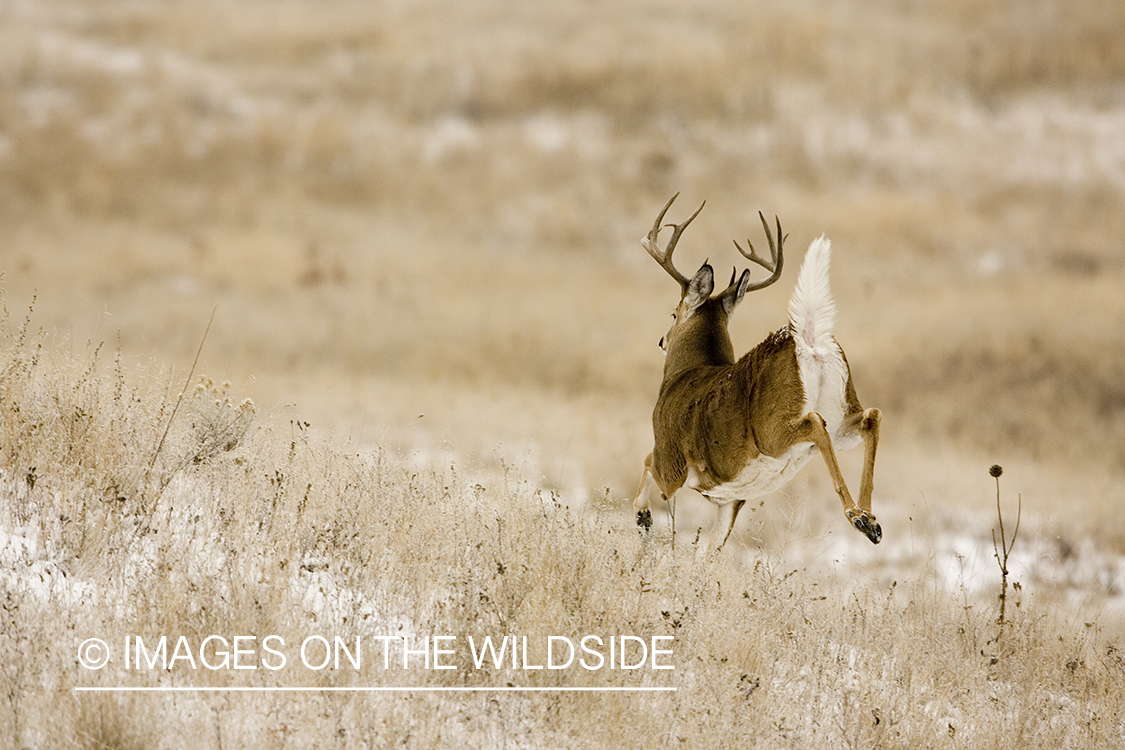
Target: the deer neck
(705, 343)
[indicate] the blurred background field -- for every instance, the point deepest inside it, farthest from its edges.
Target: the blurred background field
(418, 225)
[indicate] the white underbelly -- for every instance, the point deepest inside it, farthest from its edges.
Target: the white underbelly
(761, 476)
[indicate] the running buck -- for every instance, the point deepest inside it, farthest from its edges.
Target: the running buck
(733, 430)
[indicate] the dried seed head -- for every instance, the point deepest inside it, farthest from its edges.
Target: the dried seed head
(995, 470)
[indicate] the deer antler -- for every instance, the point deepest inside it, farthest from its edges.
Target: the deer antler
(664, 258)
(777, 257)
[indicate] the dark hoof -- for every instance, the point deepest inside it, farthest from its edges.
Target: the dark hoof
(644, 519)
(869, 527)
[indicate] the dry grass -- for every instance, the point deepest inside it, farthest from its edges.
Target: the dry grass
(278, 532)
(419, 223)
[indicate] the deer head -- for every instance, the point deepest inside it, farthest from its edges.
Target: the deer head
(698, 335)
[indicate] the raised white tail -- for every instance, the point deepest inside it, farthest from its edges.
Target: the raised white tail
(812, 311)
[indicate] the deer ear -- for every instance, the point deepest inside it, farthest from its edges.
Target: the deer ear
(734, 293)
(700, 287)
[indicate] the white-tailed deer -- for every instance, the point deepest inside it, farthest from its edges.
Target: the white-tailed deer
(733, 430)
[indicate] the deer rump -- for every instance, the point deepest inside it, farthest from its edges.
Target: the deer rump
(726, 431)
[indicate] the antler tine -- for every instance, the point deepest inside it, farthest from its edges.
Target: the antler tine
(777, 256)
(664, 257)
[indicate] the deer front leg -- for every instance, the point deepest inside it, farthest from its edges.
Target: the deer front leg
(728, 512)
(640, 502)
(812, 428)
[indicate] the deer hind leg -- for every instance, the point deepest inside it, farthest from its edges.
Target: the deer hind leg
(640, 503)
(866, 423)
(869, 426)
(811, 427)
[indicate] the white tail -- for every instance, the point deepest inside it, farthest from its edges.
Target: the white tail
(812, 320)
(812, 311)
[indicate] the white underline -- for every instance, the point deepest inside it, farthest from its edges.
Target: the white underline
(373, 689)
